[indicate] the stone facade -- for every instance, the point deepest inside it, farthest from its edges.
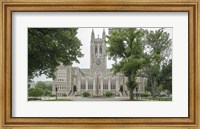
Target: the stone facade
(97, 80)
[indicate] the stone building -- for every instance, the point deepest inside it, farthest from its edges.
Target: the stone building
(97, 80)
(31, 84)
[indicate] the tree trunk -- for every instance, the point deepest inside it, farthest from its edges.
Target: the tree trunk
(131, 94)
(154, 89)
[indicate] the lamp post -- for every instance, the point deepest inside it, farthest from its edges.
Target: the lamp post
(97, 85)
(137, 93)
(56, 92)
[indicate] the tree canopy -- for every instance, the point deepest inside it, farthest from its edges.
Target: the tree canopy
(48, 47)
(167, 76)
(43, 86)
(138, 51)
(158, 46)
(126, 48)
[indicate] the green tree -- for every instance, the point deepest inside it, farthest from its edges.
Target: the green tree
(35, 92)
(47, 88)
(167, 76)
(126, 48)
(43, 86)
(48, 47)
(158, 47)
(47, 93)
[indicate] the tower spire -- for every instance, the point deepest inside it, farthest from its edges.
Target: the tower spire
(104, 35)
(92, 35)
(104, 31)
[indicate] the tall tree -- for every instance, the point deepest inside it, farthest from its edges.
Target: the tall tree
(35, 92)
(43, 85)
(158, 47)
(167, 76)
(48, 47)
(125, 47)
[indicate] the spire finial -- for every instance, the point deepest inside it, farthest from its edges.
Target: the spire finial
(103, 30)
(92, 31)
(104, 35)
(92, 35)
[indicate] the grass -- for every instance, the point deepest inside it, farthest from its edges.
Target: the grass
(131, 100)
(33, 99)
(150, 99)
(58, 100)
(161, 99)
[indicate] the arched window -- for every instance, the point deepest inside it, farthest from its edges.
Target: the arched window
(90, 85)
(95, 49)
(113, 85)
(82, 85)
(100, 49)
(105, 85)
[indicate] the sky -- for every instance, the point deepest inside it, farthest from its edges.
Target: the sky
(84, 34)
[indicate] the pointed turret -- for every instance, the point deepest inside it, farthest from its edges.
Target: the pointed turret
(104, 35)
(92, 36)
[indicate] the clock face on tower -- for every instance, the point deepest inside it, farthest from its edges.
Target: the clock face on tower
(98, 61)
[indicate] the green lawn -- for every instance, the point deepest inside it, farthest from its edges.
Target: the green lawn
(150, 99)
(58, 100)
(158, 99)
(161, 99)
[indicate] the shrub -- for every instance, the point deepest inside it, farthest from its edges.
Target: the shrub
(64, 94)
(52, 95)
(47, 93)
(108, 94)
(78, 94)
(86, 94)
(35, 92)
(117, 94)
(144, 95)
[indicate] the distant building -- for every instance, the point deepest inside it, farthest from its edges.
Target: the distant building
(97, 80)
(31, 85)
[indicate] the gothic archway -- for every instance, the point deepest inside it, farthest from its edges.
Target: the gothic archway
(121, 89)
(74, 88)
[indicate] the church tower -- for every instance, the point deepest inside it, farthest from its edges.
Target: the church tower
(98, 56)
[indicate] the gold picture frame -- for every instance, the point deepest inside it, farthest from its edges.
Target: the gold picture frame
(9, 6)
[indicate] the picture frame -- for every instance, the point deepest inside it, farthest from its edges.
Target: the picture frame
(7, 7)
